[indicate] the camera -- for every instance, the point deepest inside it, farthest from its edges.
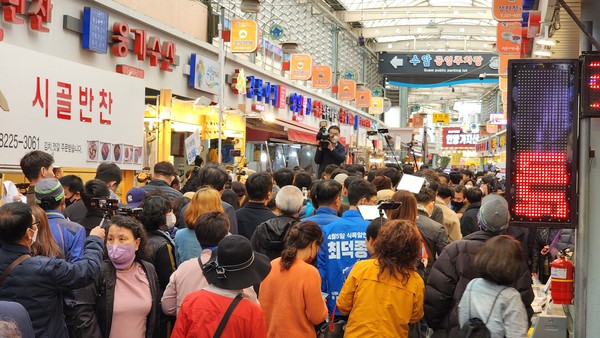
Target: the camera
(388, 205)
(105, 204)
(493, 183)
(323, 135)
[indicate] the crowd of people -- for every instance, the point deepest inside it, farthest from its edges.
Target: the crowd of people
(282, 254)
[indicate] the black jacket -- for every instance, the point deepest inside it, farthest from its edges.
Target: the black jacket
(250, 216)
(449, 278)
(38, 283)
(468, 222)
(326, 157)
(162, 256)
(435, 237)
(105, 289)
(269, 236)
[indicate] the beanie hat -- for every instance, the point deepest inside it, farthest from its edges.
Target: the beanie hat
(135, 197)
(493, 215)
(382, 182)
(48, 187)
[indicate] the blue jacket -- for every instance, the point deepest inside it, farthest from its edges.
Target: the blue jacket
(38, 283)
(344, 244)
(186, 245)
(324, 216)
(69, 235)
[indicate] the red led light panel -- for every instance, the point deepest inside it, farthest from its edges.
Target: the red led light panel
(590, 85)
(542, 143)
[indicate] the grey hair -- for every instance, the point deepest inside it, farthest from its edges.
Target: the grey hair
(289, 200)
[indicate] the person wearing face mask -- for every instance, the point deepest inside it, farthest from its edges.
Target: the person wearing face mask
(38, 282)
(127, 293)
(334, 153)
(156, 217)
(74, 208)
(69, 236)
(302, 306)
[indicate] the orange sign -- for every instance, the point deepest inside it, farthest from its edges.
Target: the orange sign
(503, 83)
(244, 36)
(376, 107)
(508, 38)
(504, 97)
(491, 128)
(508, 10)
(321, 78)
(346, 90)
(300, 67)
(503, 70)
(418, 121)
(363, 98)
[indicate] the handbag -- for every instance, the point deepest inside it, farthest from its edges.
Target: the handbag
(226, 316)
(12, 266)
(333, 329)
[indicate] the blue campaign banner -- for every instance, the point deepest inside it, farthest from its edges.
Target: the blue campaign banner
(94, 36)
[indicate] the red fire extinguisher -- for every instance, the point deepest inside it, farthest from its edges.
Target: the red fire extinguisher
(561, 288)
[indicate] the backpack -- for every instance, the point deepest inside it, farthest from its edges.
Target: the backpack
(475, 327)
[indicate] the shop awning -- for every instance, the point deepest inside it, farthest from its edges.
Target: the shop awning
(301, 137)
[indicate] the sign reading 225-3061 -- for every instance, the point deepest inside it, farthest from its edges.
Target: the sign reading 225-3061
(15, 141)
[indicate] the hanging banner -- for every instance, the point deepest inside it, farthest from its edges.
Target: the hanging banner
(455, 137)
(192, 146)
(508, 37)
(321, 77)
(80, 120)
(363, 99)
(346, 90)
(376, 107)
(244, 36)
(508, 10)
(301, 67)
(441, 118)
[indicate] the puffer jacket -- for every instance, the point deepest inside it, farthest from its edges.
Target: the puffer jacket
(449, 277)
(269, 236)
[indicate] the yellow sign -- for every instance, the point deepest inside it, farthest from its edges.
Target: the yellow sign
(441, 118)
(244, 36)
(503, 70)
(456, 157)
(503, 140)
(376, 107)
(503, 83)
(300, 67)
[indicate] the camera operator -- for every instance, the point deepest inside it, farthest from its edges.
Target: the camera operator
(330, 151)
(93, 189)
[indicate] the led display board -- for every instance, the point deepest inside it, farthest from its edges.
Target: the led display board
(590, 85)
(541, 185)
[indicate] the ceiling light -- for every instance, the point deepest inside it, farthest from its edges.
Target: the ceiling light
(543, 52)
(544, 41)
(461, 29)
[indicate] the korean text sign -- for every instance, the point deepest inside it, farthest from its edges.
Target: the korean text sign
(80, 120)
(457, 138)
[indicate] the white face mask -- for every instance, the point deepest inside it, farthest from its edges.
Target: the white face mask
(171, 220)
(335, 139)
(34, 237)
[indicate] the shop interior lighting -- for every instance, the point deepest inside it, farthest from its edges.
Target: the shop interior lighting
(544, 52)
(184, 127)
(269, 117)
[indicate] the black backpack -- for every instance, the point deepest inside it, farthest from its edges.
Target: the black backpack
(475, 327)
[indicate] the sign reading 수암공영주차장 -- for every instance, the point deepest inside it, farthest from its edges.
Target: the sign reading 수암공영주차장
(79, 120)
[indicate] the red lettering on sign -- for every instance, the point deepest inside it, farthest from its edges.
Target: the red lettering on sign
(168, 54)
(40, 13)
(120, 39)
(106, 103)
(11, 8)
(282, 90)
(86, 98)
(139, 43)
(153, 50)
(541, 182)
(63, 102)
(41, 95)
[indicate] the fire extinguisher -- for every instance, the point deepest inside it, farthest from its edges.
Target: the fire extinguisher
(561, 287)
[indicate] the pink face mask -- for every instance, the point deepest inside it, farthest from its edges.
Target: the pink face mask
(121, 255)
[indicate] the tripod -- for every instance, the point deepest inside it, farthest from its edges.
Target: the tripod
(387, 141)
(410, 149)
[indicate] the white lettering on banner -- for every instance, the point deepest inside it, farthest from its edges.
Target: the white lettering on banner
(351, 244)
(79, 114)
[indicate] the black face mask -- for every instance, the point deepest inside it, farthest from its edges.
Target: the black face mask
(68, 201)
(457, 205)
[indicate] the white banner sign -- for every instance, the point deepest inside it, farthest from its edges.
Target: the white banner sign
(79, 114)
(204, 74)
(192, 146)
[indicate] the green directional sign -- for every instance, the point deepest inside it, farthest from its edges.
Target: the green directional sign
(276, 31)
(377, 91)
(349, 74)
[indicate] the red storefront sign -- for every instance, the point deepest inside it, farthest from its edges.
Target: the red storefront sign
(39, 13)
(144, 47)
(457, 138)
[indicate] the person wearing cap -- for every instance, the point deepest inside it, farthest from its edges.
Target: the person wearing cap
(384, 187)
(164, 174)
(70, 236)
(36, 165)
(135, 196)
(232, 267)
(454, 269)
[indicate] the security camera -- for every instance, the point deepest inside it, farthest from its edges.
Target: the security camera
(482, 76)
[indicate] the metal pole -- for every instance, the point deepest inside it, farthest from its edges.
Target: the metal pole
(580, 24)
(221, 83)
(582, 232)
